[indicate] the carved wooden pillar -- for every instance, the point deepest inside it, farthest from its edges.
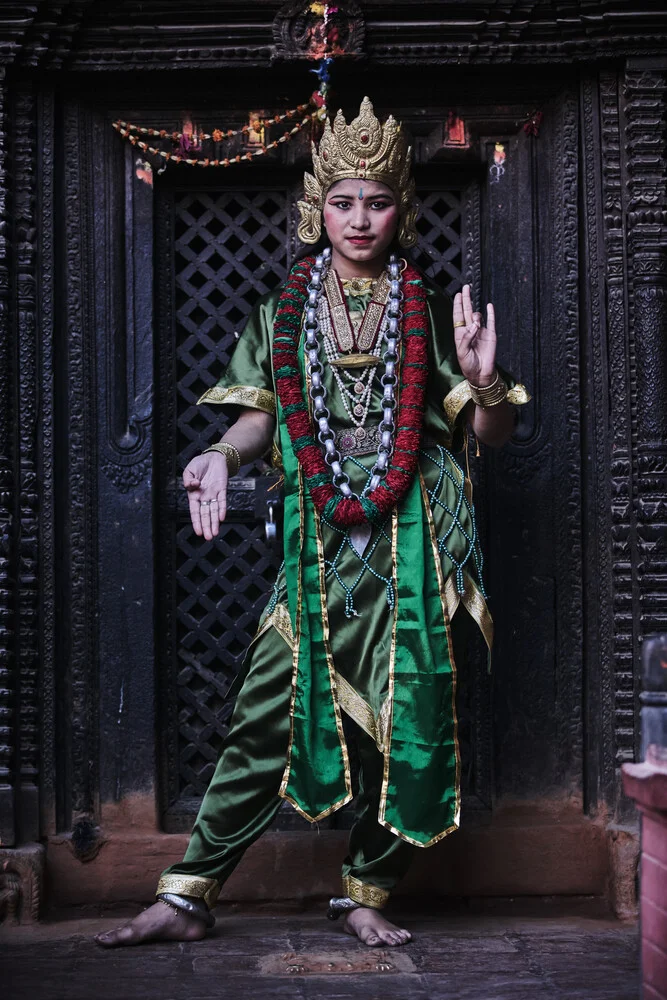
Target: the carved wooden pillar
(7, 499)
(646, 146)
(76, 504)
(28, 660)
(617, 624)
(49, 536)
(608, 370)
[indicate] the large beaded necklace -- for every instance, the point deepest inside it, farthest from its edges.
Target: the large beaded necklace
(389, 380)
(399, 432)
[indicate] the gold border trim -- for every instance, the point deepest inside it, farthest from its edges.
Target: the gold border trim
(241, 395)
(476, 606)
(364, 893)
(361, 712)
(455, 400)
(295, 653)
(276, 456)
(280, 620)
(473, 601)
(370, 324)
(451, 595)
(390, 687)
(355, 706)
(195, 886)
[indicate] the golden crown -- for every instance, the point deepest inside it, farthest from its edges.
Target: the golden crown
(366, 149)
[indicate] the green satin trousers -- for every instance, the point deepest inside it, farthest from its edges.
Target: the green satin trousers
(242, 799)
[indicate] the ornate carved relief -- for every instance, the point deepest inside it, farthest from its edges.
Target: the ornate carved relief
(568, 429)
(28, 557)
(298, 33)
(124, 36)
(81, 501)
(622, 389)
(46, 417)
(41, 35)
(646, 149)
(7, 494)
(21, 883)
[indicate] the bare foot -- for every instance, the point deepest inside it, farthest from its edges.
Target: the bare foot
(157, 923)
(372, 929)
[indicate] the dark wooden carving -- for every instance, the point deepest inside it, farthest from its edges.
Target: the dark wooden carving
(45, 386)
(300, 34)
(645, 108)
(572, 252)
(8, 525)
(95, 35)
(598, 105)
(79, 501)
(28, 576)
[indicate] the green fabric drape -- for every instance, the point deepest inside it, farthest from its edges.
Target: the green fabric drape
(422, 753)
(323, 578)
(242, 798)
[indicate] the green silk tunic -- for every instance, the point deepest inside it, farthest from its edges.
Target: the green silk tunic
(361, 591)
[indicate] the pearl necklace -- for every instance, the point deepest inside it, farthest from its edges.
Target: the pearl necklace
(361, 391)
(315, 370)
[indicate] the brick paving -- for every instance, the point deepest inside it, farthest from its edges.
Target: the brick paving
(459, 954)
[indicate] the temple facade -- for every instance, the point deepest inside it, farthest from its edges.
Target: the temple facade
(540, 137)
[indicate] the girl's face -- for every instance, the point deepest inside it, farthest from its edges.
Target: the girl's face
(361, 218)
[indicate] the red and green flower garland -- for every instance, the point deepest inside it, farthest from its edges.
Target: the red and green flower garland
(344, 512)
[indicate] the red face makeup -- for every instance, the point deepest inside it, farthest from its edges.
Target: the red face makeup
(361, 219)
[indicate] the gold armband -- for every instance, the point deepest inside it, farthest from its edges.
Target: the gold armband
(489, 395)
(231, 454)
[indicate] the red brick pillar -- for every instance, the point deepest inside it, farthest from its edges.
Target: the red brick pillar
(646, 783)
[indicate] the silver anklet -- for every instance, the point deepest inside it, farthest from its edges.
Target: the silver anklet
(180, 904)
(171, 906)
(339, 905)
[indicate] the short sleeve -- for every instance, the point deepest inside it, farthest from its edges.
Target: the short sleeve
(248, 378)
(448, 390)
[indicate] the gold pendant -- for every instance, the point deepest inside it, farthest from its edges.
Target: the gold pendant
(355, 361)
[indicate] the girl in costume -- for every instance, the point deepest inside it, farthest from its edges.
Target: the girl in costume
(357, 377)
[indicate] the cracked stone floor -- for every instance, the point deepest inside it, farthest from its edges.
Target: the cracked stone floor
(483, 951)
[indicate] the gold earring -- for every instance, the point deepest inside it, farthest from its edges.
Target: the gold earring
(310, 224)
(407, 230)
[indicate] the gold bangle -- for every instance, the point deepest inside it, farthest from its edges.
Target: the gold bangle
(231, 454)
(489, 395)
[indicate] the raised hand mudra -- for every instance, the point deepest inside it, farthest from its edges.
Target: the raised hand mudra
(475, 343)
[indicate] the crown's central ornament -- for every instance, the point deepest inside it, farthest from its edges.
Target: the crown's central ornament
(365, 149)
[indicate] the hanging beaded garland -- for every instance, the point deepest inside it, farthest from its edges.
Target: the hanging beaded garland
(132, 132)
(398, 449)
